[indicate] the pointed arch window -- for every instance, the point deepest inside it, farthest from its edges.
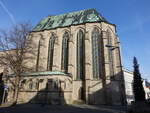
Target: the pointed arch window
(51, 52)
(96, 37)
(80, 55)
(110, 53)
(38, 55)
(65, 52)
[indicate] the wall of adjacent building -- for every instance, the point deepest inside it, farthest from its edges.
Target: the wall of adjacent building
(128, 77)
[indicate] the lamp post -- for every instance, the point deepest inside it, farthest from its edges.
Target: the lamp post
(111, 47)
(121, 80)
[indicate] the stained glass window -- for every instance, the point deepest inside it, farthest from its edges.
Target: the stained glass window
(65, 52)
(96, 53)
(51, 52)
(38, 56)
(80, 55)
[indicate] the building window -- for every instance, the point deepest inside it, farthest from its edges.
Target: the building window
(56, 85)
(96, 53)
(22, 84)
(65, 52)
(51, 52)
(110, 53)
(80, 55)
(37, 85)
(31, 85)
(38, 56)
(49, 84)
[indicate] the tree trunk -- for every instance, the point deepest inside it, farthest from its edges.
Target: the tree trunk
(16, 92)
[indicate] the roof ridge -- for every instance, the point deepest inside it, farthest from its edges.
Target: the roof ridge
(72, 18)
(73, 12)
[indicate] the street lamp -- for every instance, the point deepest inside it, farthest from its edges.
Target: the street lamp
(111, 47)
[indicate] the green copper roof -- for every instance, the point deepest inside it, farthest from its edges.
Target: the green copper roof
(46, 73)
(41, 73)
(74, 18)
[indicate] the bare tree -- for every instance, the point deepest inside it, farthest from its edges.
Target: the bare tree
(14, 46)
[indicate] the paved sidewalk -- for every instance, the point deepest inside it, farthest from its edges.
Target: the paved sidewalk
(36, 108)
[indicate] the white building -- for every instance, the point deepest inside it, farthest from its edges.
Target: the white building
(128, 78)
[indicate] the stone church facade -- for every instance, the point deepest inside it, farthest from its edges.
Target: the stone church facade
(77, 58)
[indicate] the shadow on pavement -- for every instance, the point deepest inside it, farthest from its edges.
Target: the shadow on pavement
(37, 108)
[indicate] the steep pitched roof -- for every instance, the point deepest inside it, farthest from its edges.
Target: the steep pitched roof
(74, 18)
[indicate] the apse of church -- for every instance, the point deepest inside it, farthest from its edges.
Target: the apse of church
(77, 59)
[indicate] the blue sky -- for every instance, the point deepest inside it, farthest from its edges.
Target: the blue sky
(132, 18)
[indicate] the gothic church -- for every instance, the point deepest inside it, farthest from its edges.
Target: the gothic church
(77, 59)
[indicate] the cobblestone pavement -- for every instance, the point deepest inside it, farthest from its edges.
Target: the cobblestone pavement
(35, 108)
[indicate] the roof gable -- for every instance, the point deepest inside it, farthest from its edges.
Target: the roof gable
(74, 18)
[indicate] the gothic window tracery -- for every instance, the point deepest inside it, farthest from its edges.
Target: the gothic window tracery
(38, 55)
(65, 52)
(51, 52)
(80, 55)
(96, 53)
